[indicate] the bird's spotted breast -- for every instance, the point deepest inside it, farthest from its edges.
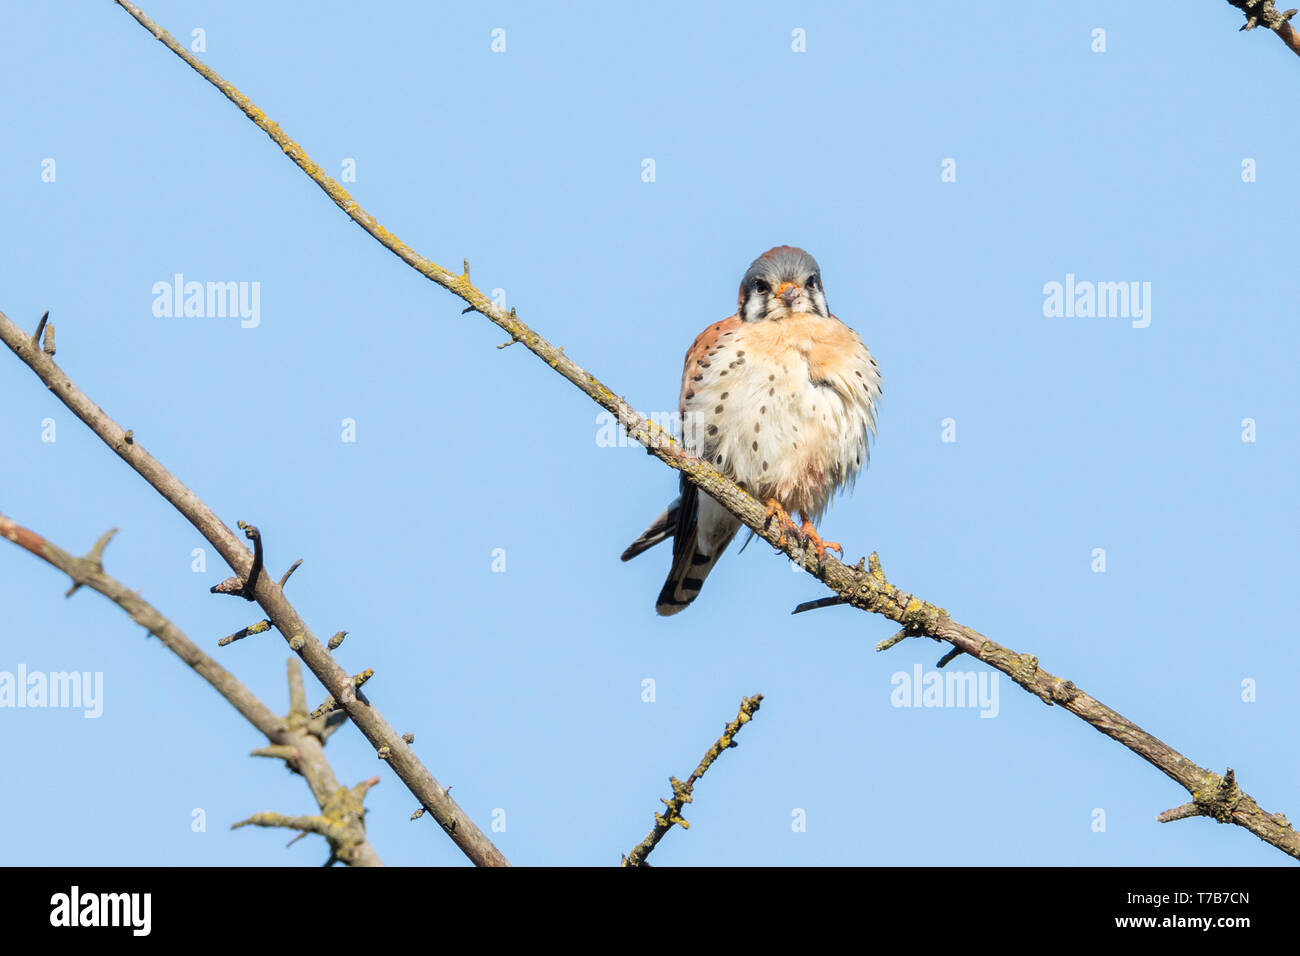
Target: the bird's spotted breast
(783, 408)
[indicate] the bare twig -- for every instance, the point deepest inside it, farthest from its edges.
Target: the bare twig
(682, 792)
(261, 627)
(1181, 812)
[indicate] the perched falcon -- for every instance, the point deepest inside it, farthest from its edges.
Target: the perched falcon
(779, 397)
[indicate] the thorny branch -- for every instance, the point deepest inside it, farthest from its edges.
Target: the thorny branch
(269, 595)
(295, 739)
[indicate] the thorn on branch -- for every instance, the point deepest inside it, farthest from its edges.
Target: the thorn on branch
(949, 657)
(243, 588)
(292, 568)
(94, 558)
(831, 601)
(40, 327)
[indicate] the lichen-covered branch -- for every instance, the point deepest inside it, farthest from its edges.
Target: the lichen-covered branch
(682, 792)
(1262, 13)
(864, 588)
(341, 821)
(293, 740)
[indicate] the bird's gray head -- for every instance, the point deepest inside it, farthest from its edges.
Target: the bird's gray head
(780, 283)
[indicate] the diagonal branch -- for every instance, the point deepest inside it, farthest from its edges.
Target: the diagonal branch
(864, 588)
(293, 740)
(683, 793)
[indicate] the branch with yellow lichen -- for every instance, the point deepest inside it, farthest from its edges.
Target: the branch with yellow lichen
(863, 587)
(341, 821)
(1262, 13)
(295, 738)
(682, 792)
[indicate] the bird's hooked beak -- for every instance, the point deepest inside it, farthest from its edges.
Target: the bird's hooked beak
(788, 292)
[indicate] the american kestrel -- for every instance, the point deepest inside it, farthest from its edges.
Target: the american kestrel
(779, 397)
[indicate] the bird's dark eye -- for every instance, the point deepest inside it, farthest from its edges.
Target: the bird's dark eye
(761, 287)
(812, 281)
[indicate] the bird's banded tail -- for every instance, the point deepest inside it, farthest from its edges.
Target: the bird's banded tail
(693, 555)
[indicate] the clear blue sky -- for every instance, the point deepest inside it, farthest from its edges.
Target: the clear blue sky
(524, 688)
